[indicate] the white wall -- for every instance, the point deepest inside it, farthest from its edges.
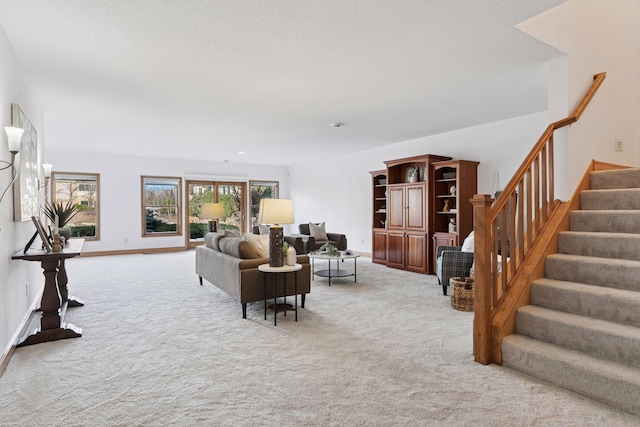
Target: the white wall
(338, 190)
(120, 192)
(597, 36)
(14, 275)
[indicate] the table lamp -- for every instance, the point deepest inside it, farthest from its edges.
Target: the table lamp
(213, 212)
(276, 212)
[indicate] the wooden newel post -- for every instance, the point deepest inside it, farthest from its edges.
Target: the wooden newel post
(482, 287)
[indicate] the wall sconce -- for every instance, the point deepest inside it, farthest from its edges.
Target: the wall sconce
(14, 137)
(46, 167)
(213, 212)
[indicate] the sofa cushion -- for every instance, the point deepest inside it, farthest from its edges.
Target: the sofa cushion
(236, 247)
(211, 240)
(318, 231)
(259, 242)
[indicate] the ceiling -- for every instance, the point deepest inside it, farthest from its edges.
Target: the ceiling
(204, 79)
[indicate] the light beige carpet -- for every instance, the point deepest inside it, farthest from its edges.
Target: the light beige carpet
(159, 349)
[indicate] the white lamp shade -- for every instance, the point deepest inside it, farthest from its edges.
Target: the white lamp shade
(276, 211)
(211, 211)
(14, 136)
(46, 167)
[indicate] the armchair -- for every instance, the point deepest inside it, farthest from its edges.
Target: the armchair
(452, 262)
(336, 239)
(300, 243)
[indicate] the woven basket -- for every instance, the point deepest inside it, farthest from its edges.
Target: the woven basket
(461, 293)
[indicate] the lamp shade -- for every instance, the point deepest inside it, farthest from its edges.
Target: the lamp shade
(276, 211)
(46, 167)
(14, 137)
(211, 211)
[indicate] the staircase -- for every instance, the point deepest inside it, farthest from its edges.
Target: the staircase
(582, 329)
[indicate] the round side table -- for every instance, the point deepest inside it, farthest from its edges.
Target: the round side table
(266, 269)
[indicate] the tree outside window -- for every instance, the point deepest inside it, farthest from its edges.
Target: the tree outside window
(261, 190)
(199, 193)
(161, 206)
(82, 189)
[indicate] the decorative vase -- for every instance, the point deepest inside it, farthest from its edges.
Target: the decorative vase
(65, 232)
(291, 256)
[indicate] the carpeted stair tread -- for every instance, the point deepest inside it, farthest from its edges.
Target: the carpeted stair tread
(600, 244)
(600, 338)
(621, 178)
(607, 382)
(614, 221)
(614, 273)
(614, 199)
(582, 329)
(600, 302)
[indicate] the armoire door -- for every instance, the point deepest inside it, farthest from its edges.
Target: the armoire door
(415, 208)
(396, 208)
(395, 249)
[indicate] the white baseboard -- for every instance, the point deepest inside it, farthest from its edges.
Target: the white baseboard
(20, 331)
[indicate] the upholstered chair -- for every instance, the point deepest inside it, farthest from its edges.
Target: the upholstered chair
(454, 261)
(300, 243)
(321, 237)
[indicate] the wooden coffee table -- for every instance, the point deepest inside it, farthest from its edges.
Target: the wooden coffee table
(335, 272)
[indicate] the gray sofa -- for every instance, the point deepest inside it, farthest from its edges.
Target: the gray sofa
(231, 264)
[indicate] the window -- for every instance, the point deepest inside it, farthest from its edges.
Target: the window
(232, 197)
(261, 190)
(82, 189)
(161, 206)
(198, 193)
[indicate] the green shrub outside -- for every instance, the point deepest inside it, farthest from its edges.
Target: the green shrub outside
(197, 230)
(83, 231)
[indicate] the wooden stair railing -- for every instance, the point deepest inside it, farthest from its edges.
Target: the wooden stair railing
(510, 231)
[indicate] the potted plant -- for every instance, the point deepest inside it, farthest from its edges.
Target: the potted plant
(63, 213)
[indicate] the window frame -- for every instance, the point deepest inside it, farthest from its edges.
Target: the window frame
(170, 180)
(55, 175)
(260, 183)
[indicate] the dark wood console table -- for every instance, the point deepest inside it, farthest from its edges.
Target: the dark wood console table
(55, 298)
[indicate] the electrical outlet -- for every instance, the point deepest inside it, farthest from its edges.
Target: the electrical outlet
(27, 288)
(619, 145)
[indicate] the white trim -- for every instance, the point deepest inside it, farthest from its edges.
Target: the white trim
(21, 327)
(151, 180)
(227, 178)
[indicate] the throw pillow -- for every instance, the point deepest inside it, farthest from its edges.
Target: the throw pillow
(259, 243)
(317, 231)
(211, 240)
(467, 245)
(263, 229)
(238, 248)
(232, 233)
